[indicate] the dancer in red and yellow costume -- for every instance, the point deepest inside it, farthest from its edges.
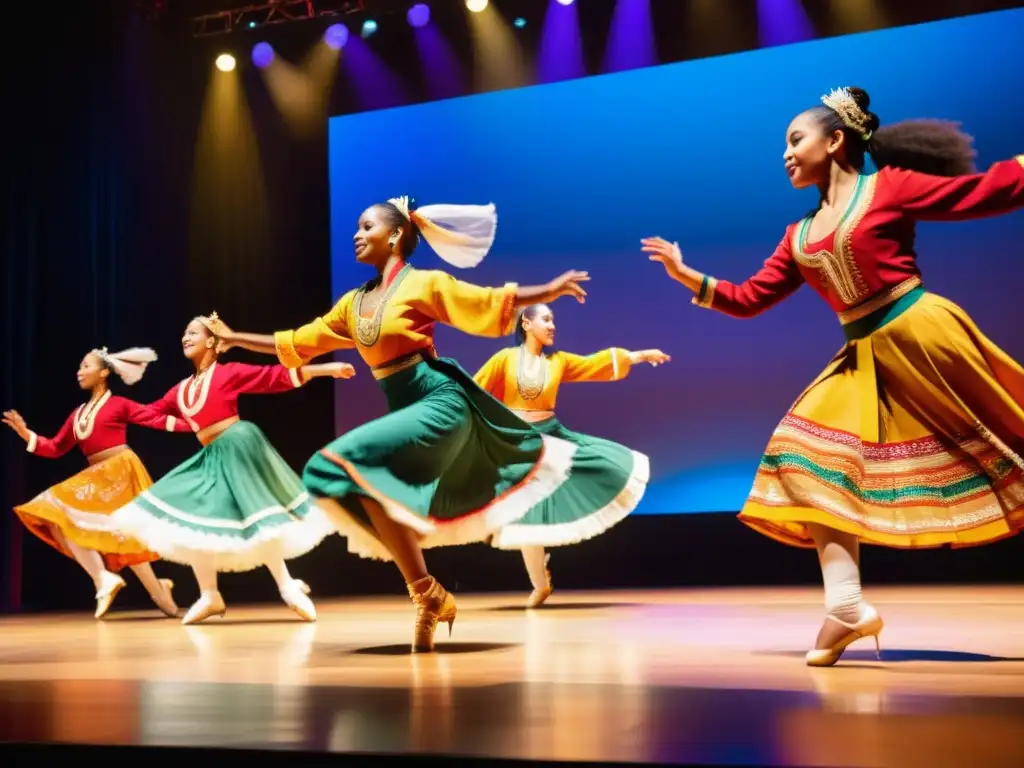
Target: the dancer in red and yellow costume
(72, 516)
(448, 464)
(607, 480)
(236, 505)
(913, 435)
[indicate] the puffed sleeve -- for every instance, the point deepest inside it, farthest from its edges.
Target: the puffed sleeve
(325, 334)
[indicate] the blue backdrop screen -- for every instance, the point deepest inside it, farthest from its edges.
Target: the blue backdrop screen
(581, 170)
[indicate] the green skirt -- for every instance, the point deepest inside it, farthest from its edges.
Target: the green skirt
(606, 482)
(236, 501)
(449, 461)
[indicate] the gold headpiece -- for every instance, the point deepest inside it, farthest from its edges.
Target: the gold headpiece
(210, 322)
(841, 101)
(401, 203)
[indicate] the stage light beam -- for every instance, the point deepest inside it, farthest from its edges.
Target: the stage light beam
(418, 16)
(565, 2)
(369, 27)
(476, 5)
(225, 62)
(336, 36)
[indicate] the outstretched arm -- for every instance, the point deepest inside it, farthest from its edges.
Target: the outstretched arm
(998, 190)
(271, 379)
(295, 347)
(158, 415)
(49, 448)
(777, 279)
(491, 312)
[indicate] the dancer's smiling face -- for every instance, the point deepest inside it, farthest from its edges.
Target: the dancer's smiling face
(196, 341)
(810, 150)
(375, 239)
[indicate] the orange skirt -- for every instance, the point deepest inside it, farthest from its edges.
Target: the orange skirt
(78, 509)
(911, 438)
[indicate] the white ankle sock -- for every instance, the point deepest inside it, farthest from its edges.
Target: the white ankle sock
(839, 554)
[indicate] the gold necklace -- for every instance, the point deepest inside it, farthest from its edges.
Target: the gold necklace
(531, 383)
(368, 328)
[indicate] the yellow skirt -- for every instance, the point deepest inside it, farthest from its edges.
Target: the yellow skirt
(79, 507)
(911, 437)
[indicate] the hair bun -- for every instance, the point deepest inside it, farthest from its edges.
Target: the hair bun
(863, 99)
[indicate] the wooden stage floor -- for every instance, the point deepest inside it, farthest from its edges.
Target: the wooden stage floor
(712, 676)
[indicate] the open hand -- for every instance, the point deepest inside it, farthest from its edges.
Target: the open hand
(654, 356)
(668, 254)
(568, 284)
(14, 420)
(223, 332)
(340, 370)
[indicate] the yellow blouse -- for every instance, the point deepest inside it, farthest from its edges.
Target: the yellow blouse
(501, 375)
(404, 320)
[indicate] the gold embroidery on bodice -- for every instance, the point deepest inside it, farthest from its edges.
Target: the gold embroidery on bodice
(531, 379)
(839, 267)
(368, 328)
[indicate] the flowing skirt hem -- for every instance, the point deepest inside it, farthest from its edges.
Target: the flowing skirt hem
(550, 472)
(187, 545)
(789, 525)
(515, 536)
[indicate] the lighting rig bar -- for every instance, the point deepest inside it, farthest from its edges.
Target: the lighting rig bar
(271, 12)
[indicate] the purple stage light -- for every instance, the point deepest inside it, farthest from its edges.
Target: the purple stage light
(419, 15)
(336, 36)
(565, 2)
(262, 55)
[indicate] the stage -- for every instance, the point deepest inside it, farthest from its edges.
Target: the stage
(705, 676)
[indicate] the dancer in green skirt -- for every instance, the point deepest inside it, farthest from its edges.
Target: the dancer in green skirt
(607, 480)
(235, 505)
(449, 464)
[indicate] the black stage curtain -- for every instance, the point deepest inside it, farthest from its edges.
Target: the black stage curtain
(114, 238)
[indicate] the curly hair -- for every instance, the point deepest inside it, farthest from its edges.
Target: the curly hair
(936, 147)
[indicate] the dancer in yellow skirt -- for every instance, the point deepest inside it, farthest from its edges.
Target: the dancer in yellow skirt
(71, 516)
(913, 435)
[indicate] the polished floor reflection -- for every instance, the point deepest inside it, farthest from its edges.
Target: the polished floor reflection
(668, 677)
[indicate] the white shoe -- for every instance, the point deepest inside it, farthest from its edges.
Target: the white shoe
(110, 585)
(209, 604)
(295, 597)
(165, 601)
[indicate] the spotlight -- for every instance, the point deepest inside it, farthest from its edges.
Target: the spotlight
(565, 2)
(262, 55)
(519, 23)
(369, 27)
(418, 15)
(225, 62)
(252, 25)
(476, 5)
(336, 36)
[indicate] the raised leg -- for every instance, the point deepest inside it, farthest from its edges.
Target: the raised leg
(160, 590)
(293, 591)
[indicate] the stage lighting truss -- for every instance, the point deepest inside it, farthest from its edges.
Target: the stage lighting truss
(226, 21)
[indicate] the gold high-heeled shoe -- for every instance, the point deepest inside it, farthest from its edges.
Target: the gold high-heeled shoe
(433, 604)
(870, 625)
